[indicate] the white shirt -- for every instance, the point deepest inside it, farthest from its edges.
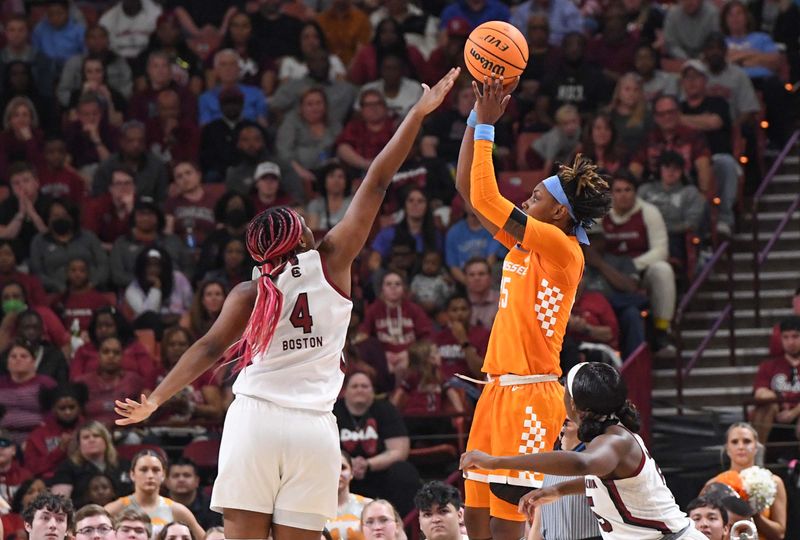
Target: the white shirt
(129, 35)
(409, 94)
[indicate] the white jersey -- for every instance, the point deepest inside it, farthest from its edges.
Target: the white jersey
(302, 367)
(637, 508)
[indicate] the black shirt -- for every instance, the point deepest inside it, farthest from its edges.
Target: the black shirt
(719, 140)
(22, 242)
(584, 86)
(78, 476)
(365, 435)
(278, 37)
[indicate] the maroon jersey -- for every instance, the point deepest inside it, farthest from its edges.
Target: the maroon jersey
(43, 451)
(778, 375)
(62, 183)
(628, 239)
(396, 328)
(81, 305)
(452, 352)
(199, 215)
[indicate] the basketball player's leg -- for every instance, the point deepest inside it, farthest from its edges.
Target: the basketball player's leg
(476, 513)
(245, 524)
(476, 486)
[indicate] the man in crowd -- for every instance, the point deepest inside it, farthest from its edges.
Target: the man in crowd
(48, 517)
(440, 511)
(482, 297)
(183, 484)
(709, 518)
(92, 522)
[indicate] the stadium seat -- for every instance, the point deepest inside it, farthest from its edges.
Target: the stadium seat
(127, 451)
(523, 149)
(203, 453)
(516, 186)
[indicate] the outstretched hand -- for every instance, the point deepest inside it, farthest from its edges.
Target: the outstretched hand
(433, 97)
(475, 459)
(538, 497)
(491, 104)
(133, 412)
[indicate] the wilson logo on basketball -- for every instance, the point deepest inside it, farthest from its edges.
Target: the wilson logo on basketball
(487, 64)
(496, 41)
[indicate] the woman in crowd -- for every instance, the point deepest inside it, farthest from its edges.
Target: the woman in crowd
(93, 79)
(50, 360)
(306, 137)
(91, 451)
(176, 531)
(148, 470)
(381, 521)
(741, 448)
(328, 209)
(600, 144)
(232, 265)
(18, 80)
(100, 490)
(388, 38)
(158, 295)
(232, 212)
(311, 39)
(186, 67)
(206, 307)
(629, 113)
(19, 391)
(21, 138)
(108, 322)
(346, 524)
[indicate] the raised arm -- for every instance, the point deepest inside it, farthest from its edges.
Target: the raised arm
(341, 245)
(203, 354)
(463, 169)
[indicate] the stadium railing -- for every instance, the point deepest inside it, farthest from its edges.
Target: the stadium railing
(637, 370)
(760, 255)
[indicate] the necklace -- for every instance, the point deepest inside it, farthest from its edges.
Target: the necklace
(395, 326)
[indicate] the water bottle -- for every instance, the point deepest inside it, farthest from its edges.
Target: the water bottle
(191, 242)
(75, 340)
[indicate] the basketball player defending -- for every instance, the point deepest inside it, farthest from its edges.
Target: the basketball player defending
(279, 458)
(521, 409)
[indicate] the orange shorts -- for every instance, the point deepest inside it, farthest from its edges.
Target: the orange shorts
(509, 420)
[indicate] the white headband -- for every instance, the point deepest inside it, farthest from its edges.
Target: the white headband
(571, 376)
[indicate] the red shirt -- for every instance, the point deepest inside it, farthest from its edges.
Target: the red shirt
(134, 359)
(34, 291)
(421, 399)
(616, 57)
(43, 451)
(629, 238)
(100, 217)
(143, 106)
(21, 400)
(102, 394)
(689, 143)
(10, 481)
(183, 146)
(62, 183)
(81, 306)
(364, 67)
(452, 353)
(365, 142)
(196, 214)
(596, 310)
(779, 376)
(396, 328)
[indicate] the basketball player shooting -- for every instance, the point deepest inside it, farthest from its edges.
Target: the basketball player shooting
(521, 409)
(279, 458)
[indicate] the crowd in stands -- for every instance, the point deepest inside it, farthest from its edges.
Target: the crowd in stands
(139, 138)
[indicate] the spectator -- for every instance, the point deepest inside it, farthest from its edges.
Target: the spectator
(592, 322)
(655, 83)
(49, 516)
(80, 298)
(91, 452)
(634, 228)
(476, 12)
(21, 137)
(669, 134)
(329, 207)
(306, 137)
(419, 28)
(467, 239)
(58, 36)
(183, 484)
(190, 213)
(133, 524)
(90, 138)
(117, 71)
(64, 241)
(93, 79)
(782, 21)
(373, 432)
(227, 72)
(681, 205)
(18, 81)
(759, 57)
(396, 321)
(400, 92)
(13, 474)
(57, 178)
(558, 144)
(144, 102)
(218, 138)
(100, 490)
(233, 264)
(234, 212)
(158, 295)
(108, 322)
(206, 307)
(109, 215)
(741, 446)
(388, 40)
(576, 81)
(599, 143)
(380, 519)
(432, 286)
(542, 58)
(22, 212)
(775, 345)
(92, 521)
(729, 81)
(686, 27)
(170, 137)
(645, 19)
(12, 523)
(710, 518)
(779, 377)
(251, 148)
(146, 233)
(462, 345)
(272, 27)
(30, 284)
(482, 297)
(338, 93)
(563, 17)
(150, 173)
(710, 115)
(185, 67)
(20, 391)
(255, 67)
(365, 135)
(450, 52)
(346, 524)
(615, 47)
(201, 400)
(130, 24)
(444, 131)
(440, 511)
(50, 360)
(630, 113)
(311, 40)
(47, 445)
(148, 468)
(345, 27)
(14, 303)
(19, 49)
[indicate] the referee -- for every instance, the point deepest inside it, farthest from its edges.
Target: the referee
(568, 518)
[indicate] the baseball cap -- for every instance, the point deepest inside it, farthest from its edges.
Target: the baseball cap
(267, 167)
(458, 27)
(146, 203)
(696, 65)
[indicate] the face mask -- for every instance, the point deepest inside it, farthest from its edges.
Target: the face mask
(61, 225)
(14, 306)
(236, 217)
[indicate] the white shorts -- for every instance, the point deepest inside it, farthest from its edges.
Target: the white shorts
(279, 461)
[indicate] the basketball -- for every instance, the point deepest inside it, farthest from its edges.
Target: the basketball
(496, 48)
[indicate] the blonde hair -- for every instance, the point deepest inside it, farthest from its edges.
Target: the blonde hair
(110, 457)
(397, 519)
(640, 110)
(16, 102)
(565, 111)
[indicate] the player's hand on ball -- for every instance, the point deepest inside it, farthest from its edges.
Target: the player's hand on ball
(132, 411)
(433, 97)
(475, 459)
(491, 103)
(538, 497)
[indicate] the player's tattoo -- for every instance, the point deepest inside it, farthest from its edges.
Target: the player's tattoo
(515, 225)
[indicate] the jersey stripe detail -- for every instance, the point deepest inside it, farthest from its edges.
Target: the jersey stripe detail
(629, 518)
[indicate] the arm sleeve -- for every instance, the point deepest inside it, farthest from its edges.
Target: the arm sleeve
(656, 237)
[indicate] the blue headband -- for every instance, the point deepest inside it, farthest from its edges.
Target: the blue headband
(553, 186)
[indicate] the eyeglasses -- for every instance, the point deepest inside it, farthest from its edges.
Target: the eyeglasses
(124, 529)
(380, 520)
(102, 530)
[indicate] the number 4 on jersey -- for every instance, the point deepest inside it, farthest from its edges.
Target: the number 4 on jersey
(301, 316)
